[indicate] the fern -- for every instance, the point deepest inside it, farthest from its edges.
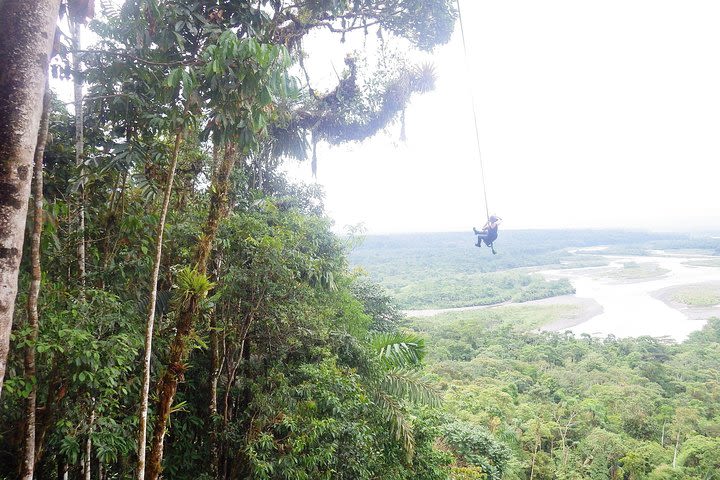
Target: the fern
(162, 303)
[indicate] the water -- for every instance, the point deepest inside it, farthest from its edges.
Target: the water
(629, 309)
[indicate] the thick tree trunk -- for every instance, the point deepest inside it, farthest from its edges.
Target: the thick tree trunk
(189, 311)
(149, 324)
(168, 386)
(26, 36)
(28, 460)
(218, 207)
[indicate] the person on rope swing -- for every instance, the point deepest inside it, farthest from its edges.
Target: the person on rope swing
(489, 232)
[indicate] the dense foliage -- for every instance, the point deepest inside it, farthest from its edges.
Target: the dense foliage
(559, 406)
(194, 301)
(171, 237)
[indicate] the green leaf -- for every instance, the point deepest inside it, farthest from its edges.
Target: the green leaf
(265, 97)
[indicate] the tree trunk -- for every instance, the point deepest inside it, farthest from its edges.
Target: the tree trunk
(108, 224)
(662, 436)
(215, 367)
(532, 464)
(168, 386)
(149, 324)
(88, 447)
(79, 148)
(28, 460)
(189, 311)
(45, 415)
(212, 409)
(677, 445)
(26, 36)
(63, 470)
(218, 207)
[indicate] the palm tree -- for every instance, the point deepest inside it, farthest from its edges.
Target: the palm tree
(401, 355)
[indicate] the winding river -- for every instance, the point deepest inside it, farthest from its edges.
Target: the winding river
(610, 305)
(631, 308)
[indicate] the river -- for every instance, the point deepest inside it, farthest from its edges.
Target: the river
(631, 308)
(608, 305)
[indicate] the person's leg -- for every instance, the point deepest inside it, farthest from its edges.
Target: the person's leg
(490, 238)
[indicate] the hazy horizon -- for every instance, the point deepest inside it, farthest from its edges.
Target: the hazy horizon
(699, 231)
(590, 116)
(600, 116)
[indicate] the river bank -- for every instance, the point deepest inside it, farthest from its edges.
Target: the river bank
(700, 311)
(584, 309)
(631, 296)
(635, 293)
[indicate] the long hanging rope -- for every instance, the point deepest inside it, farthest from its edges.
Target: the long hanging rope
(472, 103)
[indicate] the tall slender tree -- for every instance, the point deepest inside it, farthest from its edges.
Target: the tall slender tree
(28, 460)
(27, 30)
(79, 11)
(150, 321)
(189, 309)
(76, 21)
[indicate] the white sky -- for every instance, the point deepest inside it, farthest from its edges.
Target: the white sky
(591, 114)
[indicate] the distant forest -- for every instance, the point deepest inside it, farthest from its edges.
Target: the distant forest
(555, 406)
(521, 404)
(443, 270)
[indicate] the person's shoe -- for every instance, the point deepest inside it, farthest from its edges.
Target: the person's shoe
(479, 243)
(476, 231)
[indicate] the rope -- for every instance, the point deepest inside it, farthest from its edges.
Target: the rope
(472, 103)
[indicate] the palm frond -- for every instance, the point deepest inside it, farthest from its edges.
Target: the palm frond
(424, 78)
(411, 385)
(162, 303)
(109, 9)
(399, 349)
(400, 425)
